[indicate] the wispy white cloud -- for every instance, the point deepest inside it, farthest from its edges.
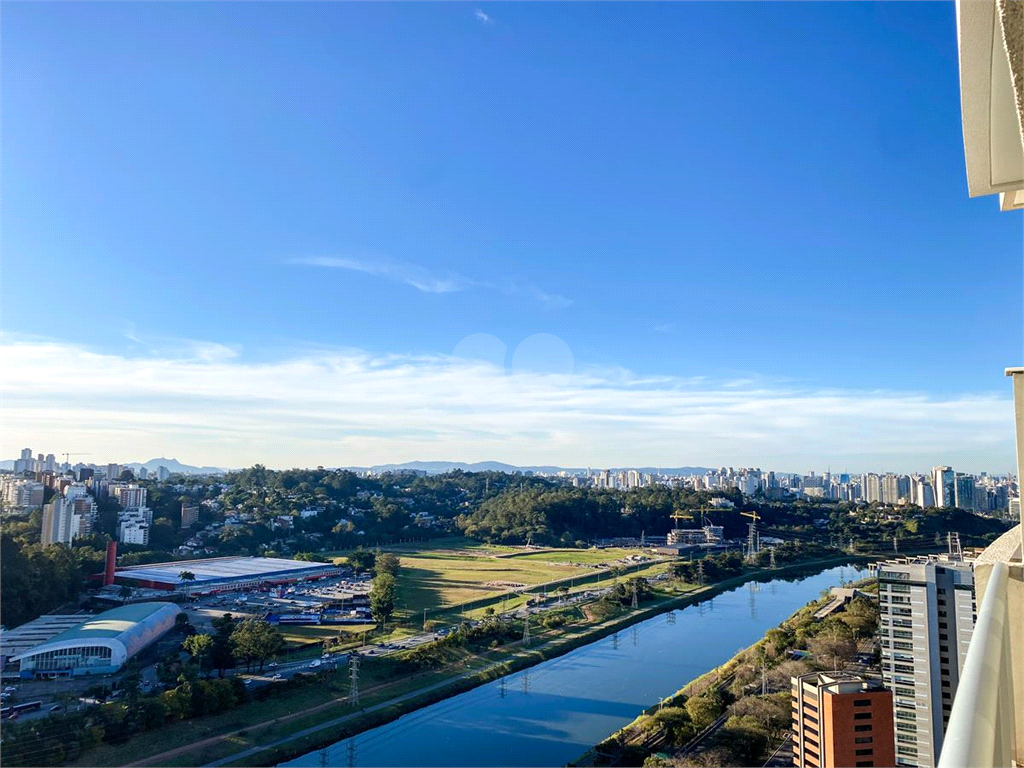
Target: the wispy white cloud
(351, 407)
(424, 280)
(416, 276)
(482, 17)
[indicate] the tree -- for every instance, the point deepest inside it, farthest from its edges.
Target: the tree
(256, 640)
(833, 644)
(361, 560)
(198, 646)
(383, 596)
(386, 563)
(186, 578)
(704, 709)
(125, 593)
(221, 654)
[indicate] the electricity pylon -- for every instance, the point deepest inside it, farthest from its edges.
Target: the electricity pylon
(353, 671)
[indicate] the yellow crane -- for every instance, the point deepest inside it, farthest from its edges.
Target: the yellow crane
(680, 515)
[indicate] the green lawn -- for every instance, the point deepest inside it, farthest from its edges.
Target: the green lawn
(587, 556)
(437, 580)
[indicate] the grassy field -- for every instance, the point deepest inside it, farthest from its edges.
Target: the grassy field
(438, 580)
(586, 556)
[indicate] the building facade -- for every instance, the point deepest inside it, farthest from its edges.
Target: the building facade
(841, 721)
(927, 617)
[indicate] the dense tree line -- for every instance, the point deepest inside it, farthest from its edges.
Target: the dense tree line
(35, 579)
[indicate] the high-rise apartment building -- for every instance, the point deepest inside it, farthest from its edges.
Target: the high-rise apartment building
(841, 721)
(58, 522)
(927, 617)
(113, 471)
(871, 487)
(129, 496)
(162, 473)
(944, 486)
(189, 515)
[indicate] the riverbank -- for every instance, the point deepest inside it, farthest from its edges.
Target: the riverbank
(302, 738)
(637, 739)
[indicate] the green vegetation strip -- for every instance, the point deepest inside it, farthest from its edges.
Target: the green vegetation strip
(296, 742)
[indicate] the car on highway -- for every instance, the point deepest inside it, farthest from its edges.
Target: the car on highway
(272, 664)
(277, 676)
(56, 708)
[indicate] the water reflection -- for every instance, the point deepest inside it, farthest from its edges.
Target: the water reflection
(552, 713)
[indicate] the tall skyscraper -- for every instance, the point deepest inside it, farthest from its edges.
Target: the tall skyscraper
(963, 491)
(927, 617)
(58, 522)
(943, 486)
(840, 721)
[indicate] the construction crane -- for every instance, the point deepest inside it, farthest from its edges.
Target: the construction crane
(67, 456)
(680, 515)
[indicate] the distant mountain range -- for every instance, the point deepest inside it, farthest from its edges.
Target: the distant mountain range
(437, 467)
(173, 465)
(429, 467)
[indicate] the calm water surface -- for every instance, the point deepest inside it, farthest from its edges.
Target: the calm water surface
(552, 713)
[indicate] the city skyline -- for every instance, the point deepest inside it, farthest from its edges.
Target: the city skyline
(413, 255)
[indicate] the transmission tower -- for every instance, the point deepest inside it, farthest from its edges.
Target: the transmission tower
(670, 617)
(526, 628)
(895, 545)
(351, 753)
(635, 603)
(501, 688)
(353, 671)
(700, 573)
(771, 552)
(526, 682)
(955, 550)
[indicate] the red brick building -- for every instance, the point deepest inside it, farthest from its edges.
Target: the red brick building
(842, 721)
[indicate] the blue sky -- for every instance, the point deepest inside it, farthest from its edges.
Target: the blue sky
(763, 198)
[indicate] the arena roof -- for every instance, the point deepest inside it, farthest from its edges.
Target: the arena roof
(110, 623)
(219, 569)
(125, 630)
(19, 639)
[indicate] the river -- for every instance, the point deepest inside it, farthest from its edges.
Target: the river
(552, 713)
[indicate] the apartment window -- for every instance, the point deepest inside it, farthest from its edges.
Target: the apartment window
(943, 625)
(861, 728)
(906, 727)
(904, 691)
(945, 683)
(862, 716)
(866, 763)
(863, 739)
(906, 739)
(864, 752)
(903, 668)
(943, 659)
(902, 715)
(903, 634)
(943, 637)
(903, 646)
(899, 587)
(862, 702)
(946, 695)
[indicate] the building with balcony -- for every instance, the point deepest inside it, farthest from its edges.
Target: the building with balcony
(926, 607)
(841, 721)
